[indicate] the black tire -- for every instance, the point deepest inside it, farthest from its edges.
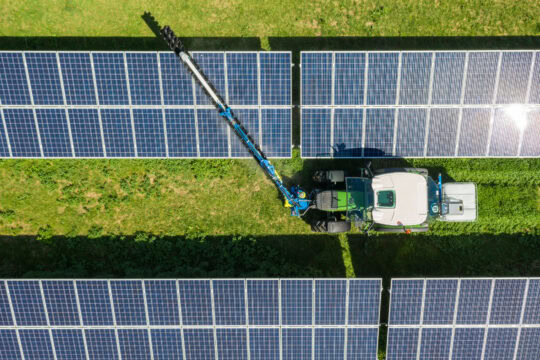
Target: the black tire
(336, 227)
(319, 226)
(420, 171)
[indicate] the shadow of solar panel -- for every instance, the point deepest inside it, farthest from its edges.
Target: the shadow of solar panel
(77, 78)
(95, 302)
(134, 344)
(316, 78)
(44, 78)
(149, 132)
(167, 344)
(54, 132)
(86, 132)
(60, 302)
(68, 344)
(9, 345)
(411, 132)
(144, 83)
(36, 344)
(13, 83)
(111, 81)
(101, 344)
(21, 129)
(117, 132)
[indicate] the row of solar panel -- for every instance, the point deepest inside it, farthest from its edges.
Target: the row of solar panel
(141, 78)
(191, 344)
(121, 132)
(418, 132)
(463, 343)
(417, 78)
(465, 302)
(201, 302)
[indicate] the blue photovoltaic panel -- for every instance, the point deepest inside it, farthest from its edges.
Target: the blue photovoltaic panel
(364, 300)
(362, 344)
(276, 132)
(101, 344)
(167, 344)
(379, 138)
(500, 344)
(414, 83)
(316, 133)
(60, 302)
(44, 78)
(250, 120)
(36, 344)
(242, 78)
(69, 344)
(481, 75)
(54, 132)
(5, 311)
(263, 302)
(231, 344)
(196, 302)
(507, 301)
(229, 302)
(534, 96)
(117, 132)
(13, 82)
(296, 344)
(128, 301)
(316, 78)
(532, 306)
(529, 344)
(212, 134)
(162, 302)
(468, 344)
(411, 132)
(275, 76)
(134, 344)
(143, 78)
(27, 303)
(402, 344)
(86, 132)
(149, 132)
(382, 78)
(442, 132)
(435, 344)
(348, 132)
(175, 80)
(264, 344)
(514, 76)
(181, 132)
(439, 302)
(9, 346)
(78, 78)
(199, 344)
(329, 344)
(111, 78)
(447, 77)
(296, 302)
(474, 132)
(531, 146)
(330, 297)
(4, 149)
(22, 132)
(504, 135)
(406, 302)
(349, 78)
(95, 302)
(473, 302)
(213, 66)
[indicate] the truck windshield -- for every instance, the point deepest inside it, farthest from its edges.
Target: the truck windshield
(359, 199)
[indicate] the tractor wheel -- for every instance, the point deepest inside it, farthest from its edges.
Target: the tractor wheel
(331, 227)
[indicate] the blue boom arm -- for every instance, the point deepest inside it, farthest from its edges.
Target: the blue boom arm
(296, 197)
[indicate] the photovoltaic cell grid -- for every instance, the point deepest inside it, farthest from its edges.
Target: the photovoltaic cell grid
(190, 319)
(420, 104)
(464, 319)
(141, 104)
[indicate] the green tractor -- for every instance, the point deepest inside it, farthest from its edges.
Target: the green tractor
(389, 200)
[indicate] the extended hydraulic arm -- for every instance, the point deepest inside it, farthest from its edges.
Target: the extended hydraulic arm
(296, 197)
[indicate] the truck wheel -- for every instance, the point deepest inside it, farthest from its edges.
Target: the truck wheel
(331, 227)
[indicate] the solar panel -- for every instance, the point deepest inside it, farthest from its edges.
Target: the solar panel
(141, 104)
(419, 104)
(462, 318)
(190, 319)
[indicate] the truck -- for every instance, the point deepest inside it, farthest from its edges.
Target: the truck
(386, 200)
